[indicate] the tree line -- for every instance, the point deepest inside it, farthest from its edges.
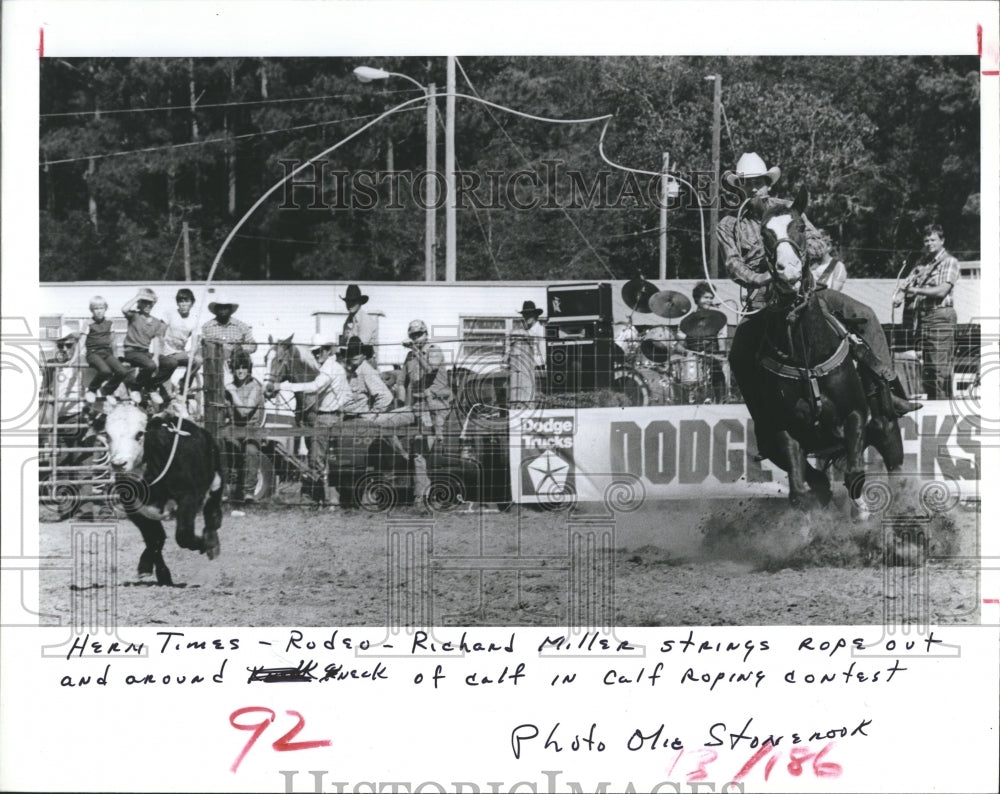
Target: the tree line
(145, 164)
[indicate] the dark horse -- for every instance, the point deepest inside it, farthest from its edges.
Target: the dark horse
(819, 404)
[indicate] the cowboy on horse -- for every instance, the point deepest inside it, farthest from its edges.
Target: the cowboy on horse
(741, 239)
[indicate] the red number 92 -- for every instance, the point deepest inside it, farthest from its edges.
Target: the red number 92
(282, 744)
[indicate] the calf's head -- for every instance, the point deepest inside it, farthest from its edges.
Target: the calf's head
(126, 429)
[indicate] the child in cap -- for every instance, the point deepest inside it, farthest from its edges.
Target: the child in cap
(100, 352)
(145, 332)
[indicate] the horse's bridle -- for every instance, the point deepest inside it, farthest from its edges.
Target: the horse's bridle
(272, 380)
(771, 257)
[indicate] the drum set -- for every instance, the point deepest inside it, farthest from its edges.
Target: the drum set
(661, 368)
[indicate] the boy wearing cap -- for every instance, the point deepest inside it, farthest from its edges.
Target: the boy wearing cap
(246, 394)
(426, 377)
(144, 340)
(100, 352)
(330, 386)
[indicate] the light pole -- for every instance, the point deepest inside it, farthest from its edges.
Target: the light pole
(713, 262)
(366, 74)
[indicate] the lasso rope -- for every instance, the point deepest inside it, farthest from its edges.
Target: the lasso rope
(730, 304)
(294, 172)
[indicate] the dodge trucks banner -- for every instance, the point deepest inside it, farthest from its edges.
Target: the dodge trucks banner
(698, 451)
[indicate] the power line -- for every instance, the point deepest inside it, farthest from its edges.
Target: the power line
(568, 217)
(207, 141)
(112, 111)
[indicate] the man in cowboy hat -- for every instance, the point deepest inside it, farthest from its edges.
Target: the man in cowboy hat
(144, 345)
(358, 322)
(526, 355)
(224, 329)
(742, 249)
(333, 393)
(370, 396)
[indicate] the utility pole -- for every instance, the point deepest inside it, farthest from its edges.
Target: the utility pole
(430, 189)
(450, 269)
(664, 194)
(187, 251)
(713, 262)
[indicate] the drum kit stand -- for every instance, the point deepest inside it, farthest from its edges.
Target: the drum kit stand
(658, 369)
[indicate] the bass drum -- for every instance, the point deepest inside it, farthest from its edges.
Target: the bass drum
(645, 386)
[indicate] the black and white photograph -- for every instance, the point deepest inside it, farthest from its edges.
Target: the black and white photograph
(360, 352)
(578, 333)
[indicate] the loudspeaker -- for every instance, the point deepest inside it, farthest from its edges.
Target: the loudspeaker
(578, 303)
(560, 329)
(581, 364)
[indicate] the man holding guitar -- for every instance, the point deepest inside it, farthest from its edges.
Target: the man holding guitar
(928, 292)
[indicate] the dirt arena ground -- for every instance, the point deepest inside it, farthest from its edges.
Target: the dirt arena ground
(753, 562)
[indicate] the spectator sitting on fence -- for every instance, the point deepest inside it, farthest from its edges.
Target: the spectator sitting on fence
(224, 329)
(247, 396)
(181, 324)
(143, 345)
(101, 354)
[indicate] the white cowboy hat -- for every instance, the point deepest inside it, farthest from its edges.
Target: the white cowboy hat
(749, 166)
(65, 332)
(322, 340)
(220, 299)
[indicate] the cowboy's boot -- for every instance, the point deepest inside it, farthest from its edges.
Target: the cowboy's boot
(901, 402)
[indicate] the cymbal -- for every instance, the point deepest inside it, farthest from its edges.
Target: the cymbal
(636, 294)
(667, 303)
(655, 353)
(703, 323)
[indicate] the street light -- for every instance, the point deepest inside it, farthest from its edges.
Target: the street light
(367, 74)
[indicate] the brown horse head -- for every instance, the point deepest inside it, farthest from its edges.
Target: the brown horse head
(285, 362)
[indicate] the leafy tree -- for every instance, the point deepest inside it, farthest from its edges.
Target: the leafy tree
(133, 152)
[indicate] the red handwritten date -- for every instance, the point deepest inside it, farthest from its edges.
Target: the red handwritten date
(282, 744)
(798, 757)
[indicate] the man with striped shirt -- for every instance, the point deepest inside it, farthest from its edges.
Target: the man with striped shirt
(931, 287)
